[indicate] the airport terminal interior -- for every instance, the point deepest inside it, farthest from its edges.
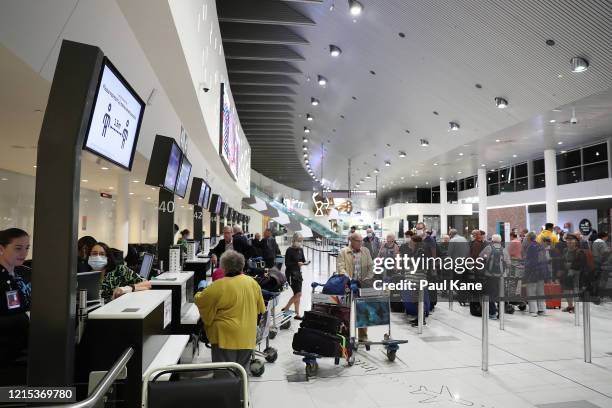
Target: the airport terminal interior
(306, 203)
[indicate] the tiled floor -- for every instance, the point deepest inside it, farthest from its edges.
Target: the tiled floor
(534, 362)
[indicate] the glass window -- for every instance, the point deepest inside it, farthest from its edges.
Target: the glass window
(437, 188)
(539, 181)
(505, 175)
(568, 176)
(451, 186)
(506, 187)
(452, 197)
(538, 166)
(595, 171)
(568, 159)
(470, 183)
(520, 170)
(493, 189)
(492, 177)
(521, 184)
(594, 154)
(460, 184)
(435, 196)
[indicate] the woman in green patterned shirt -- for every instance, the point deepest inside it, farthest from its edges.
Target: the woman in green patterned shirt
(117, 280)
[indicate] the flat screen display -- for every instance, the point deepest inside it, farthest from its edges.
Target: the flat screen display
(173, 168)
(115, 120)
(183, 178)
(229, 141)
(205, 196)
(219, 204)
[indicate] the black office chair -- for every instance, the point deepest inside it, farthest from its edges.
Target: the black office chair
(226, 388)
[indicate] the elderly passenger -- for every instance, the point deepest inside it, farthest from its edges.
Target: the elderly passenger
(229, 309)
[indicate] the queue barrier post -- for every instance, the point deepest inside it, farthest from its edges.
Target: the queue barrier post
(586, 318)
(421, 311)
(576, 309)
(502, 303)
(484, 306)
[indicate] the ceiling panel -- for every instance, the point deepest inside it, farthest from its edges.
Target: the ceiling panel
(265, 34)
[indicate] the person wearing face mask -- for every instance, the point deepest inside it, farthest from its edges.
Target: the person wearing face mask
(294, 260)
(371, 242)
(117, 279)
(84, 245)
(15, 299)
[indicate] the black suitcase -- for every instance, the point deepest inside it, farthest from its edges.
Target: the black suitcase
(321, 321)
(476, 309)
(316, 341)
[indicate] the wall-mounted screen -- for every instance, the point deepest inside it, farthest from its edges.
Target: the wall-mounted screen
(183, 178)
(229, 140)
(165, 164)
(115, 119)
(204, 202)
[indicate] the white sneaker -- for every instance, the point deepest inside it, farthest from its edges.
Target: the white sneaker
(533, 314)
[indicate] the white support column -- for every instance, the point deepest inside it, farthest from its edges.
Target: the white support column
(122, 214)
(482, 199)
(550, 175)
(136, 224)
(443, 208)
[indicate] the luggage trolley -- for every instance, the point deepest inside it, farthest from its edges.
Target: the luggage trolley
(264, 332)
(373, 308)
(340, 307)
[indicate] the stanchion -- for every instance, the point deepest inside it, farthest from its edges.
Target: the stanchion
(586, 320)
(421, 311)
(576, 309)
(484, 306)
(328, 264)
(320, 269)
(502, 303)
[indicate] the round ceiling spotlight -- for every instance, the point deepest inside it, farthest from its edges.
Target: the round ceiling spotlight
(453, 125)
(376, 171)
(402, 154)
(304, 148)
(314, 101)
(355, 7)
(579, 64)
(424, 142)
(322, 80)
(368, 176)
(309, 117)
(501, 103)
(305, 140)
(306, 130)
(388, 163)
(334, 50)
(305, 154)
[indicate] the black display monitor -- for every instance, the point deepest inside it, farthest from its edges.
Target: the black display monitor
(197, 190)
(215, 204)
(183, 178)
(206, 196)
(116, 116)
(145, 266)
(165, 163)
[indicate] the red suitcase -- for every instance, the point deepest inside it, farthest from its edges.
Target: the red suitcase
(552, 289)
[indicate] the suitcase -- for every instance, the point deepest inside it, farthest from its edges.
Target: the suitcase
(476, 309)
(317, 342)
(341, 312)
(552, 289)
(412, 307)
(321, 321)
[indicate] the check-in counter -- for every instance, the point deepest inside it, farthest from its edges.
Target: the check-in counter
(200, 266)
(141, 320)
(185, 314)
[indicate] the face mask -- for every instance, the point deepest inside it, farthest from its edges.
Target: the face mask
(420, 232)
(97, 263)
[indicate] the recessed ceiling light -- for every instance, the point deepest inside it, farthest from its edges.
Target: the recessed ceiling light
(579, 64)
(402, 154)
(560, 76)
(563, 151)
(309, 117)
(424, 142)
(314, 101)
(131, 193)
(84, 180)
(135, 181)
(306, 130)
(305, 140)
(334, 50)
(501, 161)
(148, 198)
(322, 80)
(459, 172)
(556, 110)
(305, 154)
(103, 168)
(427, 182)
(453, 125)
(435, 164)
(34, 166)
(388, 163)
(152, 188)
(497, 140)
(460, 153)
(514, 155)
(376, 171)
(305, 148)
(368, 176)
(552, 121)
(483, 165)
(355, 7)
(111, 188)
(559, 143)
(501, 103)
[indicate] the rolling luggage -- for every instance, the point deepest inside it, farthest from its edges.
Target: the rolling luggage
(552, 289)
(341, 312)
(412, 307)
(321, 321)
(318, 342)
(476, 309)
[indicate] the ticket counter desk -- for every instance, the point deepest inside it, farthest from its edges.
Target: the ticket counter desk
(185, 314)
(141, 320)
(200, 266)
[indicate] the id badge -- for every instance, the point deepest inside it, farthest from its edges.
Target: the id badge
(12, 299)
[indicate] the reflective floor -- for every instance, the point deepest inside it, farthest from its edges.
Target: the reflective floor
(534, 362)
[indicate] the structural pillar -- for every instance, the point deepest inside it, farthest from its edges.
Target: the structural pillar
(482, 199)
(550, 175)
(122, 214)
(443, 208)
(136, 224)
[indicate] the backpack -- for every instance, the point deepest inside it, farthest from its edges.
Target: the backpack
(336, 285)
(495, 259)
